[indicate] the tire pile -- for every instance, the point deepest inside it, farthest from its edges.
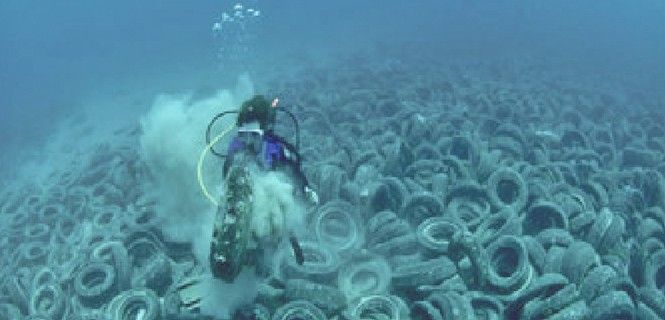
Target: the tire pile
(473, 191)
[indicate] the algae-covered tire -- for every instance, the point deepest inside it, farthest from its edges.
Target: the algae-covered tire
(328, 298)
(551, 303)
(382, 306)
(384, 226)
(420, 172)
(44, 276)
(472, 212)
(299, 310)
(157, 275)
(50, 213)
(597, 282)
(510, 271)
(467, 202)
(424, 310)
(16, 292)
(613, 305)
(388, 195)
(420, 206)
(654, 300)
(37, 232)
(486, 306)
(544, 215)
(644, 312)
(541, 286)
(554, 259)
(579, 258)
(507, 188)
(363, 277)
(452, 305)
(464, 148)
(607, 230)
(655, 270)
(134, 304)
(67, 231)
(537, 253)
(33, 254)
(95, 284)
(329, 180)
(49, 301)
(338, 226)
(502, 223)
(390, 236)
(579, 310)
(65, 262)
(108, 218)
(116, 255)
(430, 272)
(555, 237)
(435, 235)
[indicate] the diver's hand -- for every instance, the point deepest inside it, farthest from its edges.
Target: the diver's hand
(311, 195)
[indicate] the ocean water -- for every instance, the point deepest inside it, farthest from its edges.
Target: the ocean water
(472, 159)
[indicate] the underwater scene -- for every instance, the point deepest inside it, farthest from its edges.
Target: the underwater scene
(342, 160)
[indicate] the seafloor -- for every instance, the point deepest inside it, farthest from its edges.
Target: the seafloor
(510, 190)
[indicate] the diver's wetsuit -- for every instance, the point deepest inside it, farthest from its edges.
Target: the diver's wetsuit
(273, 152)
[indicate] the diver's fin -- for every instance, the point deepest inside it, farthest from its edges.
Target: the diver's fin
(297, 250)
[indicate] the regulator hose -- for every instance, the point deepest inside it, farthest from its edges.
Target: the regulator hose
(199, 167)
(212, 122)
(296, 125)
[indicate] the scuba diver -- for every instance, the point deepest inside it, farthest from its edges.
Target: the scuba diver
(254, 146)
(256, 138)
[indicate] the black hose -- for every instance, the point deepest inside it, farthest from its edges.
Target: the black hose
(212, 122)
(296, 125)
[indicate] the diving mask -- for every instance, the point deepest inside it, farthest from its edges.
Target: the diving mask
(250, 129)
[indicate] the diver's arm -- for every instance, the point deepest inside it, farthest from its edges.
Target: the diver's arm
(292, 159)
(306, 190)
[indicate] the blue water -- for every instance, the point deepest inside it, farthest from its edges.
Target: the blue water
(52, 53)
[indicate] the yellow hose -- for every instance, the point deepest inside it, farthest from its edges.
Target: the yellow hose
(199, 167)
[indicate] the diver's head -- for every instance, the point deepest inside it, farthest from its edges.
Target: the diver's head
(259, 110)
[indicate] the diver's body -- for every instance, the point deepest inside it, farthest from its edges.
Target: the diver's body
(254, 146)
(257, 142)
(270, 152)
